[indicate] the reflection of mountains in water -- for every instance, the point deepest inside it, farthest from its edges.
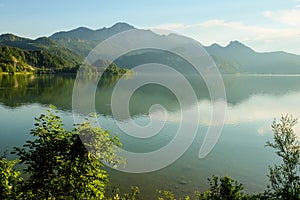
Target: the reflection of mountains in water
(57, 90)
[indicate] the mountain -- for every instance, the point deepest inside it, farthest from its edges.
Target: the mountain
(19, 54)
(82, 40)
(233, 58)
(68, 48)
(92, 35)
(238, 58)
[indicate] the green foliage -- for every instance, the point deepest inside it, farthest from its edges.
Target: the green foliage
(17, 60)
(112, 74)
(20, 54)
(284, 178)
(9, 179)
(12, 60)
(223, 188)
(41, 44)
(43, 55)
(110, 71)
(109, 75)
(165, 195)
(80, 46)
(58, 164)
(133, 195)
(115, 70)
(99, 142)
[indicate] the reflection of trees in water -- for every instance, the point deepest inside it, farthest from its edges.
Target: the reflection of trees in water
(108, 80)
(240, 88)
(17, 90)
(57, 90)
(14, 87)
(109, 75)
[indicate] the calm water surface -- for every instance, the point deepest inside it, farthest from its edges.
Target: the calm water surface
(253, 102)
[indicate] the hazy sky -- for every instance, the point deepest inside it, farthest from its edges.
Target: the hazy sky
(265, 25)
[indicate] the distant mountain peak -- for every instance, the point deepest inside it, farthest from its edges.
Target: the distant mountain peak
(11, 38)
(232, 44)
(122, 25)
(93, 35)
(235, 42)
(215, 45)
(116, 28)
(83, 28)
(7, 35)
(236, 45)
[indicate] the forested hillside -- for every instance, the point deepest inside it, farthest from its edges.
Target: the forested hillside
(17, 60)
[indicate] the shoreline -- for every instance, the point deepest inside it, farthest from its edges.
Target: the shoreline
(16, 73)
(237, 74)
(241, 74)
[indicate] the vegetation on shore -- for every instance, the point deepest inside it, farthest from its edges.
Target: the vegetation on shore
(19, 54)
(43, 55)
(17, 61)
(59, 166)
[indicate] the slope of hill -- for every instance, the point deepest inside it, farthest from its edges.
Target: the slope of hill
(13, 60)
(19, 54)
(46, 47)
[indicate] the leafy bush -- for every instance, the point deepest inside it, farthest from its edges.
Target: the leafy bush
(9, 179)
(58, 164)
(223, 188)
(284, 178)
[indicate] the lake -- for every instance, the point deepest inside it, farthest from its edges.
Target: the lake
(253, 103)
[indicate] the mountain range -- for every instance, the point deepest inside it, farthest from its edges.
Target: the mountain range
(67, 49)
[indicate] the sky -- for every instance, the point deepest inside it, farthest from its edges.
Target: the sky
(264, 25)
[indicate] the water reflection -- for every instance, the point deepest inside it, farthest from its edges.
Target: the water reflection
(253, 102)
(49, 89)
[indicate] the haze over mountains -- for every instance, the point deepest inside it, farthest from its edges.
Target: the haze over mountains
(70, 47)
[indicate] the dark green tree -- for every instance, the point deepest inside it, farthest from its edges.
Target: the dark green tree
(9, 179)
(223, 188)
(133, 195)
(284, 178)
(168, 195)
(60, 166)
